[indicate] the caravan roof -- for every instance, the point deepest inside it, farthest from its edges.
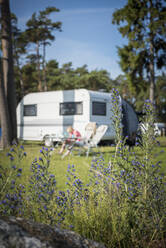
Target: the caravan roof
(63, 94)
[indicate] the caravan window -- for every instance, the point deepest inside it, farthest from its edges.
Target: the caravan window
(30, 110)
(99, 108)
(71, 108)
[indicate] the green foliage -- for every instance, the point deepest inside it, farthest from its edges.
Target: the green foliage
(41, 190)
(161, 98)
(67, 77)
(40, 33)
(143, 23)
(121, 203)
(134, 57)
(117, 115)
(29, 75)
(39, 27)
(11, 189)
(61, 78)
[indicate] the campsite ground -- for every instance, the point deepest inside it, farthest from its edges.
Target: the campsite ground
(82, 163)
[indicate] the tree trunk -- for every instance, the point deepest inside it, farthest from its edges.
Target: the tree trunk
(19, 71)
(7, 62)
(4, 114)
(20, 78)
(44, 67)
(151, 64)
(40, 88)
(152, 74)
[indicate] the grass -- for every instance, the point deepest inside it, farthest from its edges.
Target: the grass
(101, 211)
(117, 198)
(59, 166)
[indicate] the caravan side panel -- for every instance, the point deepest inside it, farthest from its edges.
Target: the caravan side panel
(101, 112)
(50, 113)
(41, 114)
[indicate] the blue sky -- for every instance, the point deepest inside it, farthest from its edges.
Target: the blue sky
(88, 35)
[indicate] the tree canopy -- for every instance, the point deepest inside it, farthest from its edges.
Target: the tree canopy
(39, 32)
(143, 22)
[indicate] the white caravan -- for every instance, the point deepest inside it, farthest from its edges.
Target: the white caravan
(48, 114)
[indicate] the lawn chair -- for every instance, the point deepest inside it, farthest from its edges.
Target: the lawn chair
(94, 141)
(90, 130)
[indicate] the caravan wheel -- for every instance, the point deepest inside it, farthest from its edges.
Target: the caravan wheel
(48, 141)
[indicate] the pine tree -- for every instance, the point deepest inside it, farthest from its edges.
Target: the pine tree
(7, 84)
(144, 25)
(39, 32)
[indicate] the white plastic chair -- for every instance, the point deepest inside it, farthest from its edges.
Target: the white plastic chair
(90, 130)
(94, 141)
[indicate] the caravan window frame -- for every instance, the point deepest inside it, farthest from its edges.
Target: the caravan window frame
(74, 111)
(96, 109)
(30, 111)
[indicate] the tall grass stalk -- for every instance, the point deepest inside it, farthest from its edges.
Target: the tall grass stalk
(124, 204)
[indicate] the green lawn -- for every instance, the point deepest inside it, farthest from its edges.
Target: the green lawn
(59, 166)
(117, 216)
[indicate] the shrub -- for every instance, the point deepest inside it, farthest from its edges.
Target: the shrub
(11, 189)
(121, 205)
(124, 203)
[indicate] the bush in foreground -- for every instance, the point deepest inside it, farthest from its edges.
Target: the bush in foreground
(122, 205)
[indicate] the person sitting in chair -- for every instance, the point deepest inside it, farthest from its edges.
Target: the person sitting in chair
(74, 138)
